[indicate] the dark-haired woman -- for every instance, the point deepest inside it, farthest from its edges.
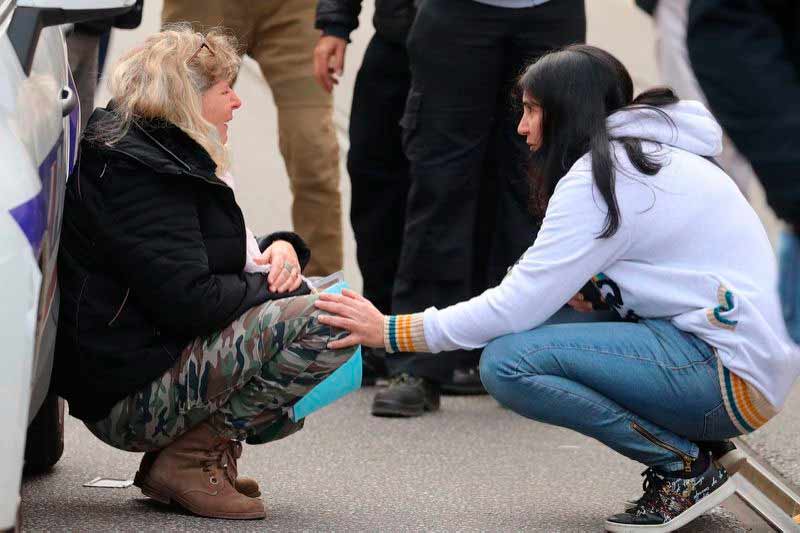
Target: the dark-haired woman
(633, 203)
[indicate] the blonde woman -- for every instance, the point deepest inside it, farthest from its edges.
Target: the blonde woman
(172, 339)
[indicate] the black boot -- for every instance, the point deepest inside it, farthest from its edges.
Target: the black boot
(373, 366)
(672, 502)
(406, 396)
(464, 381)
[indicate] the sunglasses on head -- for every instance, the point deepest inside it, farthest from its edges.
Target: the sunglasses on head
(203, 44)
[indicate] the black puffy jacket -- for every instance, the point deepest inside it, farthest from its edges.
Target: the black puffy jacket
(392, 18)
(152, 256)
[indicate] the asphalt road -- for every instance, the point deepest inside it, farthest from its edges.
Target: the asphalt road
(473, 466)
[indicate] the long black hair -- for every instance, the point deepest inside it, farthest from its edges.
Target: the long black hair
(577, 88)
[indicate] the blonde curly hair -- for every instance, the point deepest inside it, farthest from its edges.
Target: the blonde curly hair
(165, 78)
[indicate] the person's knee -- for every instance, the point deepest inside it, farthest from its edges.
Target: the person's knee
(496, 367)
(312, 160)
(514, 361)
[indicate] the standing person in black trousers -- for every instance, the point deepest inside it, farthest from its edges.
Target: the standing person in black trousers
(376, 164)
(737, 52)
(746, 56)
(467, 216)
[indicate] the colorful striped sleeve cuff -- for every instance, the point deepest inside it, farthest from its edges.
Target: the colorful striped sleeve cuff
(747, 408)
(404, 333)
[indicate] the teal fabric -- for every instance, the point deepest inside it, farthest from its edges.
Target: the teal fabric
(343, 381)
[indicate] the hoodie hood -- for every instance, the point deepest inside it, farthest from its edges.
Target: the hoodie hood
(694, 128)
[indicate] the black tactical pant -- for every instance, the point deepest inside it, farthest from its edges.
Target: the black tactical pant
(467, 217)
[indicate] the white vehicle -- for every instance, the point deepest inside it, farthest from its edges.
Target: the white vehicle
(39, 121)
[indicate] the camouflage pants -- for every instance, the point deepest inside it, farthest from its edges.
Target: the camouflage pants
(241, 379)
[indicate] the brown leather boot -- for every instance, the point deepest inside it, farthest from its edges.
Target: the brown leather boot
(245, 485)
(190, 472)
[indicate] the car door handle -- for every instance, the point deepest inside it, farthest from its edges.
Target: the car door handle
(69, 99)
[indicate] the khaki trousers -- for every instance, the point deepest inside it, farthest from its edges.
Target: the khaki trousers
(83, 52)
(280, 36)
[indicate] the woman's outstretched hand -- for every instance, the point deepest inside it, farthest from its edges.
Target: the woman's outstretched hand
(352, 312)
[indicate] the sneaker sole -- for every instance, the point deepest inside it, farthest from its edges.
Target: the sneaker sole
(399, 410)
(166, 496)
(722, 493)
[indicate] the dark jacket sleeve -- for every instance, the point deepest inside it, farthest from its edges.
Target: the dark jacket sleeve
(127, 21)
(300, 247)
(649, 6)
(151, 233)
(337, 17)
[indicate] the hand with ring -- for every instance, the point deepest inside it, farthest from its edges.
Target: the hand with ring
(284, 273)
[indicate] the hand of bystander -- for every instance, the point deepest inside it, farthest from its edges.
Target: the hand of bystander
(329, 61)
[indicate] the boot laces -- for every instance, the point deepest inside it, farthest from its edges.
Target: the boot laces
(232, 452)
(403, 379)
(651, 485)
(215, 460)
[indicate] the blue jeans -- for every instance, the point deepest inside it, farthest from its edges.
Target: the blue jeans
(790, 282)
(646, 389)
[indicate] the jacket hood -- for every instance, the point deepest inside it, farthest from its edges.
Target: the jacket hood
(693, 127)
(159, 144)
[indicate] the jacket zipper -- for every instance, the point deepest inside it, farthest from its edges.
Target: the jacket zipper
(687, 460)
(122, 305)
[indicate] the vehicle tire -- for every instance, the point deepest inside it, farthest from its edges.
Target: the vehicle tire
(45, 442)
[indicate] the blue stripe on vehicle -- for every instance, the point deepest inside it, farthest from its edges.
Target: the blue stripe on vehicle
(32, 215)
(32, 219)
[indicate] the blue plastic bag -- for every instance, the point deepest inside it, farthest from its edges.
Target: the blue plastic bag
(341, 382)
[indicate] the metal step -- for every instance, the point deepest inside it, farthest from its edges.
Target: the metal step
(763, 499)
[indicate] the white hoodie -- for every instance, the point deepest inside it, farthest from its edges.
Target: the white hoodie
(689, 248)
